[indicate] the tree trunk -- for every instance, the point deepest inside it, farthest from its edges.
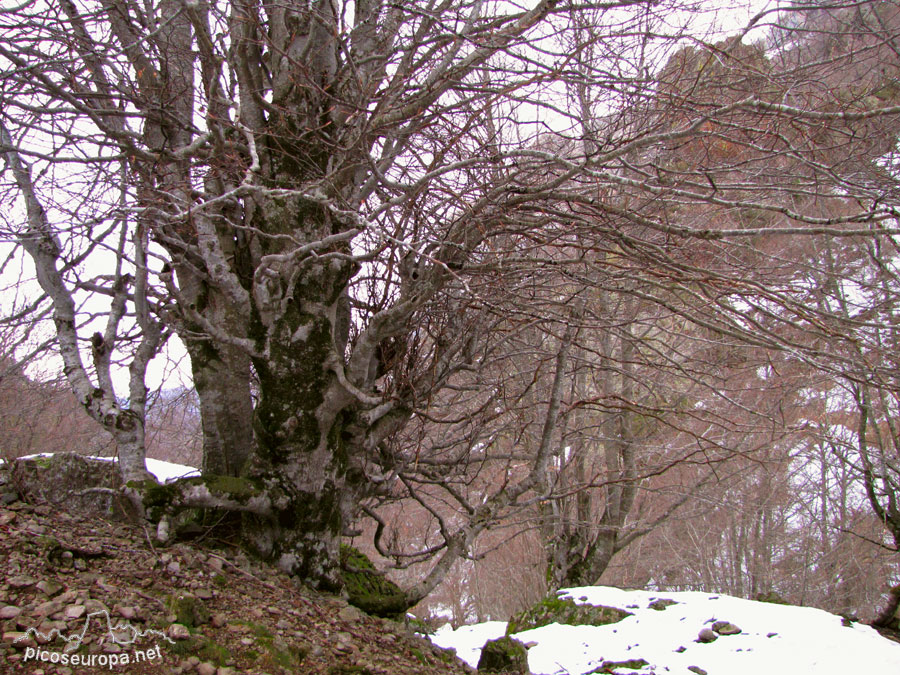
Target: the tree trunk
(222, 379)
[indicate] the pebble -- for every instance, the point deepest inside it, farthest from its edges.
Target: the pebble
(178, 632)
(206, 669)
(173, 567)
(48, 608)
(125, 612)
(49, 588)
(9, 612)
(706, 635)
(75, 612)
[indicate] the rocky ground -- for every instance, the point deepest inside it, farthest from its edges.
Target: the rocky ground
(194, 607)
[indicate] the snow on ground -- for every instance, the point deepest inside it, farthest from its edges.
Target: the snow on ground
(774, 639)
(164, 471)
(468, 640)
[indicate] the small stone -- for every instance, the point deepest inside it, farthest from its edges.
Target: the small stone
(173, 567)
(92, 605)
(225, 671)
(9, 612)
(282, 624)
(350, 614)
(48, 608)
(21, 582)
(178, 631)
(194, 661)
(18, 640)
(216, 563)
(725, 628)
(706, 635)
(125, 612)
(206, 669)
(771, 635)
(681, 650)
(7, 517)
(8, 497)
(204, 594)
(246, 642)
(80, 564)
(75, 612)
(697, 669)
(219, 620)
(111, 648)
(49, 588)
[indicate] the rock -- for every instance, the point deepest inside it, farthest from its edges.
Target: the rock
(18, 640)
(188, 609)
(707, 635)
(697, 669)
(92, 605)
(48, 608)
(7, 517)
(64, 477)
(661, 603)
(173, 567)
(225, 671)
(350, 614)
(725, 628)
(564, 611)
(504, 655)
(21, 582)
(178, 632)
(206, 669)
(127, 613)
(49, 588)
(9, 612)
(75, 612)
(7, 497)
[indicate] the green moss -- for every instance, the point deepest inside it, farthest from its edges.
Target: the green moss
(219, 580)
(214, 653)
(504, 655)
(564, 611)
(189, 610)
(367, 588)
(420, 656)
(610, 667)
(285, 655)
(772, 597)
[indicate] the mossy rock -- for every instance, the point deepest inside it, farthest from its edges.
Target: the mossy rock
(368, 589)
(661, 603)
(189, 610)
(610, 667)
(564, 611)
(772, 597)
(503, 655)
(65, 478)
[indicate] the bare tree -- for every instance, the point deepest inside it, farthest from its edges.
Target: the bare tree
(365, 208)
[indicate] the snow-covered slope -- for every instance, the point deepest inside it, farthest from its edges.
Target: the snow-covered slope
(773, 639)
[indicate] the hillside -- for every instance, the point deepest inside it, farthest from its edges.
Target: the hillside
(69, 572)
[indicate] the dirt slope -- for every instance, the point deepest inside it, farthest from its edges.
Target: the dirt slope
(66, 572)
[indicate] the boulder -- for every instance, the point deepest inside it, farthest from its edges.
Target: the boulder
(504, 655)
(564, 611)
(65, 477)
